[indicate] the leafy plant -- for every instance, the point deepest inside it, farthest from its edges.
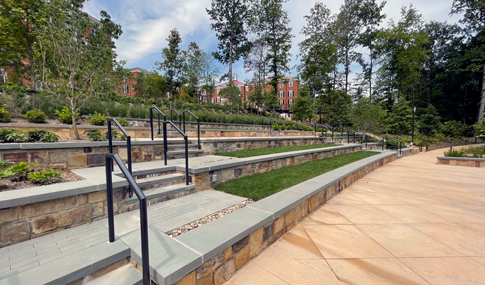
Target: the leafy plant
(11, 135)
(4, 163)
(45, 176)
(42, 135)
(64, 116)
(98, 119)
(35, 116)
(455, 153)
(20, 170)
(4, 114)
(122, 137)
(4, 173)
(94, 134)
(123, 122)
(114, 135)
(50, 137)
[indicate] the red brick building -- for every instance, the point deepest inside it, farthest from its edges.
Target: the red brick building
(128, 83)
(287, 91)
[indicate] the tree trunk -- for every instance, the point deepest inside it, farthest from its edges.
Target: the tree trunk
(230, 62)
(73, 113)
(370, 72)
(482, 103)
(346, 70)
(430, 86)
(31, 55)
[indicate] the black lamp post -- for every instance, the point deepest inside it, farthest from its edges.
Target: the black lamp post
(412, 134)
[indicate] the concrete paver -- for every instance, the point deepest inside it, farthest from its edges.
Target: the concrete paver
(410, 222)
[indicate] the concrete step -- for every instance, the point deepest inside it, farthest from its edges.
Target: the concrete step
(182, 152)
(125, 275)
(163, 191)
(171, 146)
(159, 181)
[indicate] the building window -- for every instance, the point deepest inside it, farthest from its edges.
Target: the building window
(290, 93)
(281, 102)
(217, 90)
(290, 102)
(291, 83)
(126, 90)
(246, 98)
(281, 94)
(218, 99)
(212, 100)
(3, 76)
(281, 84)
(246, 88)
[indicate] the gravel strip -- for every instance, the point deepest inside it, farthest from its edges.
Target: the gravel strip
(211, 161)
(195, 224)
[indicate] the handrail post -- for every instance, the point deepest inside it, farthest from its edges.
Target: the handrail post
(262, 124)
(165, 144)
(110, 142)
(109, 198)
(198, 132)
(159, 132)
(365, 140)
(383, 143)
(151, 121)
(348, 136)
(184, 121)
(186, 160)
(130, 168)
(144, 241)
(332, 133)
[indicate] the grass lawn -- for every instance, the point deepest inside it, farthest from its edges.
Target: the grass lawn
(261, 185)
(271, 150)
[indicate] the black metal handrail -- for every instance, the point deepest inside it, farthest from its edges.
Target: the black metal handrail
(270, 124)
(109, 157)
(165, 146)
(198, 126)
(395, 140)
(151, 119)
(324, 126)
(128, 145)
(180, 117)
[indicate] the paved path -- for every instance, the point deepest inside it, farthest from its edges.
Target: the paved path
(409, 222)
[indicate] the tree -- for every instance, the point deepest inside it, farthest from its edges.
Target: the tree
(367, 116)
(429, 121)
(229, 24)
(172, 63)
(277, 35)
(232, 94)
(317, 51)
(339, 107)
(150, 86)
(79, 59)
(20, 23)
(400, 119)
(474, 18)
(210, 72)
(303, 108)
(193, 69)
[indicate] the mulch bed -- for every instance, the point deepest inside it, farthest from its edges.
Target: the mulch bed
(7, 185)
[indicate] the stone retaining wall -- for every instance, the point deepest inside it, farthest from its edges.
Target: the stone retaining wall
(66, 131)
(221, 267)
(462, 161)
(203, 180)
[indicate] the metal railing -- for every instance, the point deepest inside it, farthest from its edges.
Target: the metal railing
(128, 146)
(396, 141)
(165, 146)
(109, 157)
(198, 126)
(324, 126)
(270, 124)
(151, 119)
(180, 117)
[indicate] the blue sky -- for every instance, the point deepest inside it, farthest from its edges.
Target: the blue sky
(146, 24)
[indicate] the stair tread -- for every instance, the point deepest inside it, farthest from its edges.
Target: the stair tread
(180, 145)
(161, 178)
(156, 192)
(183, 151)
(125, 275)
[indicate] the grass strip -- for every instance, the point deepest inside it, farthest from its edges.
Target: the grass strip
(261, 185)
(272, 150)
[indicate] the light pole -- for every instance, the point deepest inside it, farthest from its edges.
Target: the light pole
(412, 134)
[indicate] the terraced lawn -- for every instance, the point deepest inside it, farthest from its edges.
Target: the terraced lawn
(261, 185)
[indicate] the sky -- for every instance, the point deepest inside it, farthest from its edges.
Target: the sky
(146, 25)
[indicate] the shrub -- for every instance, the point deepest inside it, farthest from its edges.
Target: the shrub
(50, 137)
(64, 116)
(35, 116)
(123, 122)
(114, 135)
(4, 163)
(36, 135)
(98, 119)
(20, 170)
(120, 110)
(11, 135)
(455, 153)
(94, 134)
(4, 114)
(45, 176)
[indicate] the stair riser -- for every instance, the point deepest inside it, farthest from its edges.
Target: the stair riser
(162, 184)
(153, 201)
(153, 174)
(178, 156)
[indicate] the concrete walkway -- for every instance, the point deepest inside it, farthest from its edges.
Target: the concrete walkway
(409, 222)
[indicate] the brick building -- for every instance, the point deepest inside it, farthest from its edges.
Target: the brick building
(287, 91)
(128, 83)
